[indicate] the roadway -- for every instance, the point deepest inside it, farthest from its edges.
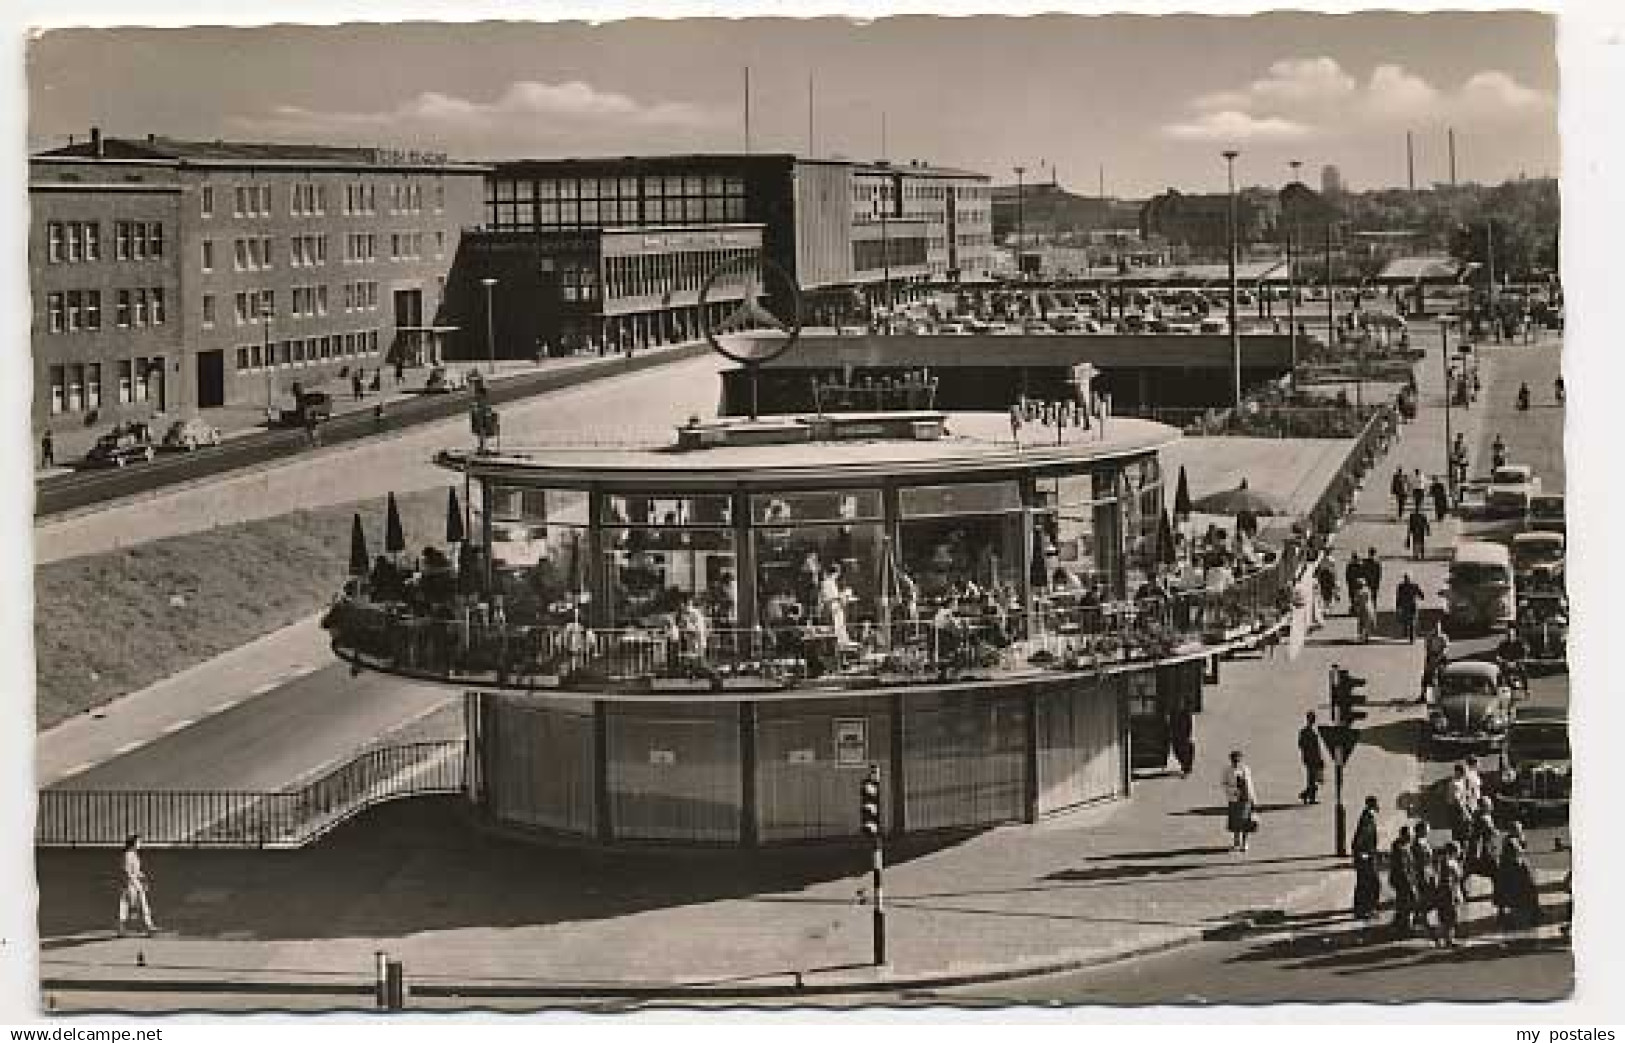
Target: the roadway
(66, 492)
(272, 737)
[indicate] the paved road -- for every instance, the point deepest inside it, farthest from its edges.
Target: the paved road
(269, 740)
(61, 493)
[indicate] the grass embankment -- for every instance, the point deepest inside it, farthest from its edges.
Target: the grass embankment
(113, 623)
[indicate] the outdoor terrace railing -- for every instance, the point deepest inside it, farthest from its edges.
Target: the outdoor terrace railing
(978, 638)
(104, 818)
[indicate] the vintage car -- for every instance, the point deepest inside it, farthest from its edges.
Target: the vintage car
(310, 407)
(1535, 776)
(1546, 514)
(122, 445)
(1543, 626)
(189, 435)
(1537, 560)
(1470, 705)
(1510, 489)
(1482, 594)
(443, 381)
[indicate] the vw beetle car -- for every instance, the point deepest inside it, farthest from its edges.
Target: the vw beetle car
(1469, 706)
(122, 445)
(1537, 560)
(1543, 626)
(191, 434)
(1510, 490)
(1535, 777)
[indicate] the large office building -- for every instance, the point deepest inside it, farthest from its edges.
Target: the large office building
(176, 275)
(614, 253)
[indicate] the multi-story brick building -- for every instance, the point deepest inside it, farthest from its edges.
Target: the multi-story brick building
(209, 273)
(614, 252)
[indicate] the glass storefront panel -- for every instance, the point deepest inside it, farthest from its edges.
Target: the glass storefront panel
(965, 760)
(660, 511)
(833, 506)
(652, 574)
(970, 498)
(827, 575)
(969, 556)
(674, 772)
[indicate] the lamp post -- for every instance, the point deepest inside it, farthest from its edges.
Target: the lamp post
(267, 360)
(1449, 460)
(1230, 258)
(490, 327)
(1021, 216)
(1489, 256)
(1292, 278)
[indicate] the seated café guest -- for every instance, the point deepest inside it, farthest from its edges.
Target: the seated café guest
(691, 628)
(1064, 580)
(946, 626)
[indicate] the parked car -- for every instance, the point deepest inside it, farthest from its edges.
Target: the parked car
(1537, 560)
(1482, 591)
(1543, 626)
(1546, 513)
(124, 444)
(1510, 490)
(1535, 776)
(1470, 705)
(190, 435)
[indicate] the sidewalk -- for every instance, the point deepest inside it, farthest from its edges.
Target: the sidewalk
(238, 419)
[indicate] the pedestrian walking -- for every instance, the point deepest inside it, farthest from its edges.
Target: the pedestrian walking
(1241, 801)
(1326, 580)
(1408, 605)
(1483, 845)
(1498, 453)
(1373, 573)
(1441, 499)
(1367, 882)
(1363, 607)
(1314, 760)
(1459, 798)
(1517, 899)
(132, 899)
(1419, 489)
(1182, 736)
(1426, 870)
(1402, 878)
(1435, 653)
(47, 449)
(1417, 531)
(1354, 576)
(1449, 892)
(1399, 486)
(1557, 390)
(357, 377)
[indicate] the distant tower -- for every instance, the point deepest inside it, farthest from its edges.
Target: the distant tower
(1331, 180)
(1452, 134)
(1410, 162)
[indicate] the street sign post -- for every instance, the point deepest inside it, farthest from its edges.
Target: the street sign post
(869, 819)
(1340, 740)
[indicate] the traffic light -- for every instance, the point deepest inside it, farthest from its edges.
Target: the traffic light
(869, 804)
(1344, 697)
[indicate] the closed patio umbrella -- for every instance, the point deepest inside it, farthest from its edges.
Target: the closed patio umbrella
(1182, 496)
(454, 518)
(394, 535)
(1165, 540)
(359, 561)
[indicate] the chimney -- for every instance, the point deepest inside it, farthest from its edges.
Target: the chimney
(96, 142)
(152, 139)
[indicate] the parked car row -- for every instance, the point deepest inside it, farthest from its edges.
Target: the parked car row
(133, 442)
(1527, 768)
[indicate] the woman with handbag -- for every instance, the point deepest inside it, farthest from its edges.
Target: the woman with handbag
(1241, 798)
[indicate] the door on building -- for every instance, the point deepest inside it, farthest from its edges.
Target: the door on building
(211, 379)
(408, 316)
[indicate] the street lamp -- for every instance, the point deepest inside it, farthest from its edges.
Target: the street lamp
(1449, 460)
(267, 360)
(490, 329)
(1235, 332)
(1292, 276)
(1021, 216)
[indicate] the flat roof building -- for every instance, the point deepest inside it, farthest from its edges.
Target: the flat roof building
(173, 275)
(611, 253)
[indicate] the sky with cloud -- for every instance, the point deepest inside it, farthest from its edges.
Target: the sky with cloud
(1152, 101)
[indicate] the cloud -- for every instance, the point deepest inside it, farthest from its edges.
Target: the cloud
(1230, 125)
(1301, 97)
(528, 115)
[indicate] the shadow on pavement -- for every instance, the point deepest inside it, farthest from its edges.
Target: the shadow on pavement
(418, 866)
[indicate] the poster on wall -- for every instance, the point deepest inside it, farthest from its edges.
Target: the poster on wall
(851, 742)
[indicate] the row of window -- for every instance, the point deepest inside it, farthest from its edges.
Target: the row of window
(360, 247)
(360, 296)
(509, 190)
(870, 255)
(307, 250)
(658, 274)
(307, 350)
(70, 242)
(309, 300)
(609, 213)
(309, 199)
(77, 387)
(252, 255)
(74, 311)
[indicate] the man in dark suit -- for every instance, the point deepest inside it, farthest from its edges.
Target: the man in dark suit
(1314, 760)
(1367, 882)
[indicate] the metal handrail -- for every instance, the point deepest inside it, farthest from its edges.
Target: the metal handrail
(244, 818)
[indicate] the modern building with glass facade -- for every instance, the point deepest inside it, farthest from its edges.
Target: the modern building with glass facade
(610, 253)
(208, 273)
(712, 641)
